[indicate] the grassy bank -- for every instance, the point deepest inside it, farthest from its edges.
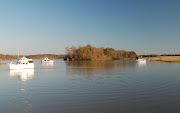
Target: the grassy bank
(165, 58)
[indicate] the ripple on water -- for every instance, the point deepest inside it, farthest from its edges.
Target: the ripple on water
(98, 87)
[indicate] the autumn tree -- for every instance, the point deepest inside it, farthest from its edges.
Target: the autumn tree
(98, 53)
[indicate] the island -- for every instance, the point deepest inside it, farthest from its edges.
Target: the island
(91, 53)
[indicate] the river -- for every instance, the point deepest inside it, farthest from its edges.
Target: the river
(91, 87)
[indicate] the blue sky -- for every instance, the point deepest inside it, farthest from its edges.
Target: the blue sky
(48, 26)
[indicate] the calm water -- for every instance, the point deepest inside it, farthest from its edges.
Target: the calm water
(91, 87)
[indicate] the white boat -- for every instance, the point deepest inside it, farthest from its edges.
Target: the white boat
(46, 60)
(47, 64)
(22, 63)
(141, 60)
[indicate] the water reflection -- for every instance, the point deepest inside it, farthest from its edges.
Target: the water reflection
(101, 87)
(141, 64)
(97, 67)
(23, 74)
(45, 64)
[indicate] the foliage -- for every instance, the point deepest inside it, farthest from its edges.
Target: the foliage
(40, 56)
(170, 55)
(8, 57)
(50, 56)
(97, 53)
(150, 55)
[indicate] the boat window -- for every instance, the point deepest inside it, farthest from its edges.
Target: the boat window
(30, 61)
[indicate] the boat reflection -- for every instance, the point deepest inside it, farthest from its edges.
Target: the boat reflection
(51, 64)
(23, 74)
(23, 94)
(141, 65)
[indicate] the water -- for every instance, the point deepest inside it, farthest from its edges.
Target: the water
(91, 87)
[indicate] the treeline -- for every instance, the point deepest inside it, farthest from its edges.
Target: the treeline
(151, 55)
(40, 56)
(8, 57)
(155, 55)
(170, 55)
(92, 53)
(50, 56)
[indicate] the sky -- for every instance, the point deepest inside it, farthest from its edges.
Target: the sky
(48, 26)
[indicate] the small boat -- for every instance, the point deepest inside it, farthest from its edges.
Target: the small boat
(46, 60)
(141, 60)
(22, 63)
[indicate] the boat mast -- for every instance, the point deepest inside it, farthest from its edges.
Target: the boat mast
(18, 53)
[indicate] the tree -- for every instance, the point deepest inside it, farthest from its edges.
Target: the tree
(93, 53)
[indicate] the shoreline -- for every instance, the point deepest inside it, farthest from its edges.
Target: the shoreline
(165, 58)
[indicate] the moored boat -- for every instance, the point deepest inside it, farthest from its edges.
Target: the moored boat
(46, 60)
(141, 60)
(22, 63)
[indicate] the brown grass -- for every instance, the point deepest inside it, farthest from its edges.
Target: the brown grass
(165, 58)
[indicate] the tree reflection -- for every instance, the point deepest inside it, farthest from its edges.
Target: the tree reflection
(89, 68)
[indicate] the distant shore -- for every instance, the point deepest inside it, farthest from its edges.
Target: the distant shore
(165, 58)
(39, 56)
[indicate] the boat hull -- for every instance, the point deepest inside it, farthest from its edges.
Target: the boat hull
(141, 61)
(21, 66)
(50, 61)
